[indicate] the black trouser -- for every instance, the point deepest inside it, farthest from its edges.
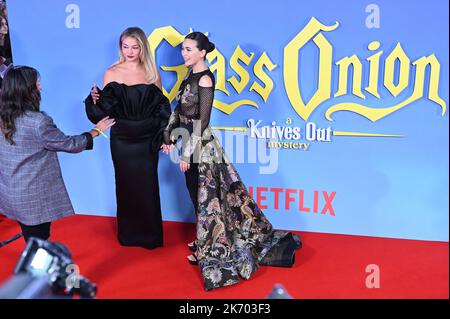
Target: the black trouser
(191, 176)
(41, 231)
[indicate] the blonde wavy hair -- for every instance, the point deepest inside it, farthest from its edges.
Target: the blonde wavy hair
(145, 57)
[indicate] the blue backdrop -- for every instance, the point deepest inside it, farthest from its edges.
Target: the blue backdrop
(393, 183)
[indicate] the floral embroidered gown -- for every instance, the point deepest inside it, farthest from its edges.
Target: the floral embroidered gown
(233, 236)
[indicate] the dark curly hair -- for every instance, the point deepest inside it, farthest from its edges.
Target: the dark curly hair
(19, 93)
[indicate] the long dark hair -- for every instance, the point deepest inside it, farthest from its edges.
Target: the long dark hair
(19, 93)
(203, 42)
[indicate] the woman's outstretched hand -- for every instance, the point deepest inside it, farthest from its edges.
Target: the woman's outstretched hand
(105, 123)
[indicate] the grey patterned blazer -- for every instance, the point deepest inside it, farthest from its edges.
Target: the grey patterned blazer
(32, 189)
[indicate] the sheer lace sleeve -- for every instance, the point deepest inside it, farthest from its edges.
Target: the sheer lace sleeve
(206, 98)
(104, 106)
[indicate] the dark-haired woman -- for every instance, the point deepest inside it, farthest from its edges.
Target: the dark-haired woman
(32, 189)
(233, 236)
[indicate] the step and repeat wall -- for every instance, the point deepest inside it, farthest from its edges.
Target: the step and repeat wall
(335, 113)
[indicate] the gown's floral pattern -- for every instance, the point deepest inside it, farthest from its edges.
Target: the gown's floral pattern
(233, 235)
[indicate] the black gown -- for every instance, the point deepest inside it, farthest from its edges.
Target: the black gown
(141, 112)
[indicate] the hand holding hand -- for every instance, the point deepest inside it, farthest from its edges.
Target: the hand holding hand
(184, 166)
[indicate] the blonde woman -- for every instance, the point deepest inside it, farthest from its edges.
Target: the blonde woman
(132, 95)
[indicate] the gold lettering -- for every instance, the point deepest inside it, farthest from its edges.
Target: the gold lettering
(258, 69)
(374, 114)
(343, 76)
(389, 67)
(243, 74)
(374, 61)
(174, 38)
(219, 68)
(291, 67)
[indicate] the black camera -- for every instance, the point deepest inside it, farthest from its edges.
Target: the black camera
(47, 271)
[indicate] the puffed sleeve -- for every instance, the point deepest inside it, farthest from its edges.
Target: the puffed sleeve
(104, 107)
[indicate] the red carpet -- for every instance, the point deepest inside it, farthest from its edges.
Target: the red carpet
(328, 266)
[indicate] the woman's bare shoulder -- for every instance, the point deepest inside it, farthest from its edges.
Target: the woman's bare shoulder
(113, 73)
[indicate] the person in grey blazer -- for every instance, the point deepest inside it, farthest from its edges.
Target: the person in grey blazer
(32, 189)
